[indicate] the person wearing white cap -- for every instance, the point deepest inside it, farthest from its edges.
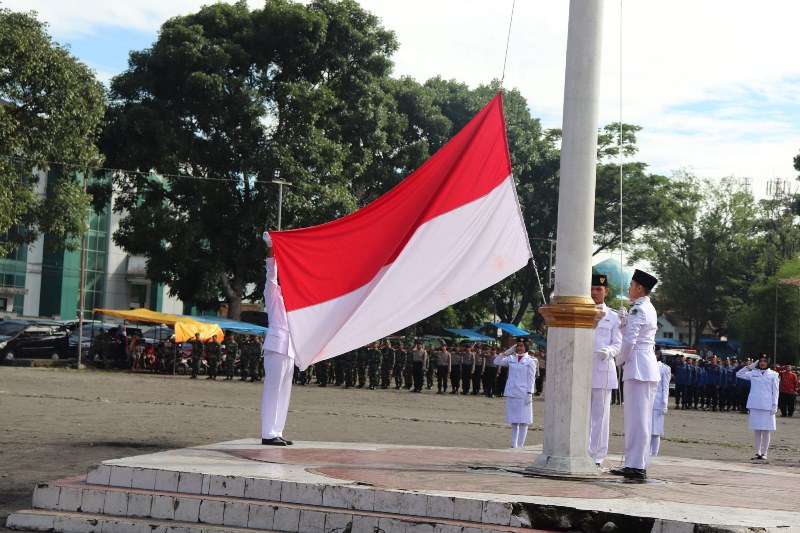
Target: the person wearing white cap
(279, 357)
(640, 375)
(607, 342)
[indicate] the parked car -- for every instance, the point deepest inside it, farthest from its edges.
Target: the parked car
(25, 339)
(90, 334)
(157, 334)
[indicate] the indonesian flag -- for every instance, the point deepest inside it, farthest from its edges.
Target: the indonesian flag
(449, 230)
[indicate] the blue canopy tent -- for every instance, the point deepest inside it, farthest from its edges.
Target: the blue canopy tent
(669, 342)
(470, 335)
(539, 339)
(233, 326)
(511, 329)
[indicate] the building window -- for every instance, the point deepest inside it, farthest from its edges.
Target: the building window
(668, 335)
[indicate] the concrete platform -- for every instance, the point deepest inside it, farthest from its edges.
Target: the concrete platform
(346, 487)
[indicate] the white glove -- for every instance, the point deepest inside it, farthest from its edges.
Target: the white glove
(664, 409)
(267, 238)
(752, 366)
(622, 314)
(774, 410)
(528, 398)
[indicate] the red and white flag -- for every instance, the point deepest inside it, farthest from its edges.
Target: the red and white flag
(449, 230)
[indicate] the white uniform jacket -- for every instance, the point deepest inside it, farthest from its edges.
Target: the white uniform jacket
(607, 341)
(763, 387)
(277, 338)
(662, 392)
(521, 373)
(638, 342)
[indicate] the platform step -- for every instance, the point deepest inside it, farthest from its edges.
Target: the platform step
(138, 508)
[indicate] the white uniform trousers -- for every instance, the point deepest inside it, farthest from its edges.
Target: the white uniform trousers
(638, 414)
(598, 424)
(278, 373)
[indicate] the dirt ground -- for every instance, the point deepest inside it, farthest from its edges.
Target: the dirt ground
(56, 423)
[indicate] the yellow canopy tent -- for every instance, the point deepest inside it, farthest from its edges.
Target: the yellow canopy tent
(185, 327)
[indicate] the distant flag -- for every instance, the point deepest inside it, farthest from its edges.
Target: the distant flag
(449, 230)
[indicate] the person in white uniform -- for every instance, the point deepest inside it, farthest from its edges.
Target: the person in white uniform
(660, 406)
(519, 390)
(607, 342)
(762, 402)
(278, 358)
(640, 375)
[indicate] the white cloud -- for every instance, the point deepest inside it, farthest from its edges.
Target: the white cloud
(713, 83)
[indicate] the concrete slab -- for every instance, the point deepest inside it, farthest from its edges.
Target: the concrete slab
(483, 486)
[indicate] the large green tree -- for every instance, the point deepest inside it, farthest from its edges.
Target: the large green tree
(704, 256)
(51, 109)
(228, 97)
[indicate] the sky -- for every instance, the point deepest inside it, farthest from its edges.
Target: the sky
(713, 83)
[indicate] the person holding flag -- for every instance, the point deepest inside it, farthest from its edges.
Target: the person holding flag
(279, 356)
(640, 375)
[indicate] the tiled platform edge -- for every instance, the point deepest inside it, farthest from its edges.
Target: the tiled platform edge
(182, 502)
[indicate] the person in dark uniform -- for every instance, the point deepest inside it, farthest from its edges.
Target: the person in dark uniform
(490, 372)
(197, 353)
(467, 369)
(419, 359)
(349, 368)
(442, 359)
(212, 353)
(232, 349)
(387, 364)
(372, 358)
(455, 370)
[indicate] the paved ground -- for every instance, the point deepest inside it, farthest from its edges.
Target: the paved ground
(57, 423)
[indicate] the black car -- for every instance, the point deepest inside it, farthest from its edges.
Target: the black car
(91, 333)
(26, 339)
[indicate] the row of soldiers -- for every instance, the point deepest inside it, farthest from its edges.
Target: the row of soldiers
(711, 384)
(224, 357)
(463, 369)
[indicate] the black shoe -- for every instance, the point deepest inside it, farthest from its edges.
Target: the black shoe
(287, 441)
(277, 441)
(635, 473)
(619, 471)
(599, 465)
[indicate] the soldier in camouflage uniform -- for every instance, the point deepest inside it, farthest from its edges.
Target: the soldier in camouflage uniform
(372, 357)
(197, 353)
(232, 349)
(244, 356)
(399, 363)
(408, 369)
(338, 370)
(361, 366)
(387, 365)
(321, 370)
(259, 354)
(253, 359)
(349, 367)
(430, 368)
(212, 356)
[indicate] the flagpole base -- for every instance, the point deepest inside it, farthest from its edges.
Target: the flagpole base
(580, 467)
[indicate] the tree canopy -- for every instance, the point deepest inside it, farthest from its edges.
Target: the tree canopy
(51, 109)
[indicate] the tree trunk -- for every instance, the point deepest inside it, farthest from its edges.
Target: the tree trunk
(234, 308)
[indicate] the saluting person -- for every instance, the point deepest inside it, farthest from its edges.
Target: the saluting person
(607, 342)
(762, 402)
(640, 375)
(518, 390)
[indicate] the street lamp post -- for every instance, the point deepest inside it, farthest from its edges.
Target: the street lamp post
(280, 184)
